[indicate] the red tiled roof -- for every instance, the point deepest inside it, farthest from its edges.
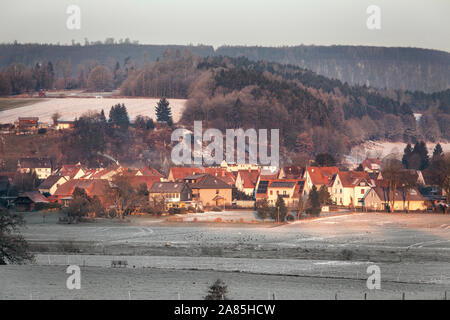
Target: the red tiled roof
(350, 179)
(371, 161)
(249, 177)
(179, 173)
(95, 187)
(400, 194)
(34, 196)
(322, 175)
(138, 180)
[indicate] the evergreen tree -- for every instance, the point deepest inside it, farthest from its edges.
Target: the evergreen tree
(325, 160)
(218, 291)
(102, 116)
(164, 112)
(281, 211)
(324, 195)
(420, 149)
(314, 200)
(407, 155)
(118, 116)
(437, 151)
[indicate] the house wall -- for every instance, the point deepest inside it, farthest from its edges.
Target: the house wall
(287, 193)
(347, 196)
(206, 196)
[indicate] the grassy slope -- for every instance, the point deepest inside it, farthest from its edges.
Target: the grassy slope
(12, 103)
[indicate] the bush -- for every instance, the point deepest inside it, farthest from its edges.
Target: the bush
(347, 254)
(46, 206)
(216, 209)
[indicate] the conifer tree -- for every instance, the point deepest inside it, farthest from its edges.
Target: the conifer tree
(164, 112)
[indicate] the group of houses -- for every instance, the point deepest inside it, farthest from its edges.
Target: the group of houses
(208, 187)
(32, 125)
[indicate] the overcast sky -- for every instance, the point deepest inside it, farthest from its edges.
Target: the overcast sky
(411, 23)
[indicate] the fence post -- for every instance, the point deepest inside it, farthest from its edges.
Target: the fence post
(403, 296)
(365, 295)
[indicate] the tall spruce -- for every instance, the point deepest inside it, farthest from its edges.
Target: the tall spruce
(164, 112)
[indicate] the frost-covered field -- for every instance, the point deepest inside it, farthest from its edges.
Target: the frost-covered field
(70, 108)
(300, 260)
(49, 282)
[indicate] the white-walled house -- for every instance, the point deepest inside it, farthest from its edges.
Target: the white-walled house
(349, 188)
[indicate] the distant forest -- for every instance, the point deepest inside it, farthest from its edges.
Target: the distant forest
(409, 69)
(315, 114)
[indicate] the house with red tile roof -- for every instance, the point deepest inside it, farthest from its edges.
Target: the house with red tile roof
(349, 188)
(246, 181)
(372, 165)
(212, 191)
(319, 176)
(406, 199)
(179, 173)
(291, 190)
(93, 187)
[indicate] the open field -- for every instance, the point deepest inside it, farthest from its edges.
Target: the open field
(309, 259)
(9, 103)
(70, 108)
(49, 282)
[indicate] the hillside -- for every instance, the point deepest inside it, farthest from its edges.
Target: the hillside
(380, 67)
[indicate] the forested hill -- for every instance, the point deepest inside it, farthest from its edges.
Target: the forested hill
(393, 68)
(380, 67)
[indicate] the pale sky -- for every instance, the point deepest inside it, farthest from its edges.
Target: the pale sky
(405, 23)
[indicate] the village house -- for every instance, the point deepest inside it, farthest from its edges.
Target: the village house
(42, 167)
(27, 124)
(28, 200)
(371, 165)
(319, 176)
(224, 175)
(379, 198)
(281, 188)
(246, 181)
(71, 171)
(175, 194)
(64, 125)
(211, 191)
(52, 183)
(291, 172)
(179, 173)
(291, 190)
(94, 188)
(349, 187)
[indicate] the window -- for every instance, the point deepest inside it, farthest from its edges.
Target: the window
(271, 192)
(362, 191)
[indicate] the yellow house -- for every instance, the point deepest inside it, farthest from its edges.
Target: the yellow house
(349, 188)
(281, 188)
(379, 198)
(212, 191)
